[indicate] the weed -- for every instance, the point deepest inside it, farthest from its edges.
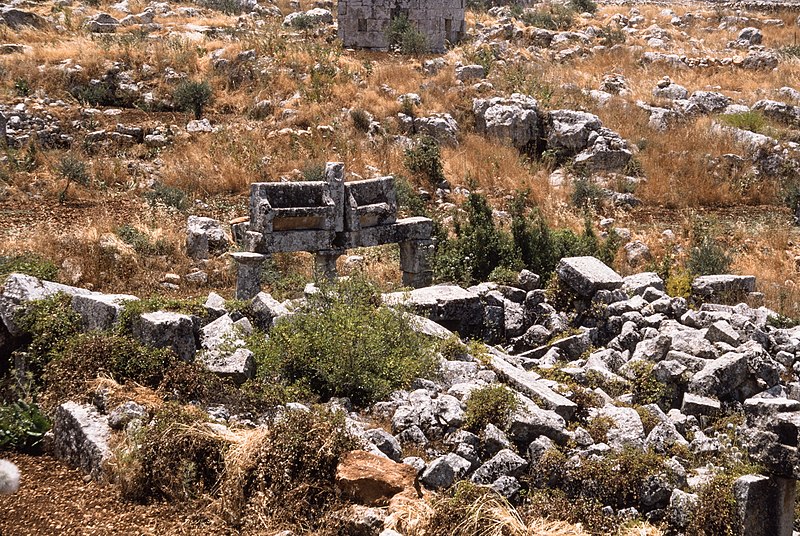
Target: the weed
(404, 36)
(708, 258)
(555, 504)
(716, 511)
(72, 170)
(424, 159)
(751, 120)
(554, 17)
(286, 472)
(314, 171)
(598, 428)
(610, 36)
(22, 87)
(88, 355)
(586, 194)
(176, 458)
(468, 509)
(28, 263)
(142, 243)
(343, 343)
(22, 426)
(168, 196)
(679, 284)
(493, 404)
(583, 6)
(192, 96)
(50, 323)
(303, 22)
(646, 389)
(361, 119)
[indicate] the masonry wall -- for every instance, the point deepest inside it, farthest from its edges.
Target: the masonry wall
(363, 23)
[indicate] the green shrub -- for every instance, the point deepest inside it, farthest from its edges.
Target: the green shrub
(28, 263)
(404, 36)
(492, 404)
(556, 17)
(303, 22)
(479, 246)
(142, 243)
(344, 343)
(168, 196)
(708, 258)
(586, 194)
(752, 120)
(176, 458)
(88, 355)
(22, 426)
(716, 511)
(314, 172)
(611, 35)
(791, 51)
(192, 96)
(555, 504)
(504, 275)
(408, 198)
(50, 323)
(424, 160)
(22, 87)
(288, 476)
(72, 170)
(645, 388)
(583, 6)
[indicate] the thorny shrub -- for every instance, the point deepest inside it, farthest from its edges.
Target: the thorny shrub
(492, 404)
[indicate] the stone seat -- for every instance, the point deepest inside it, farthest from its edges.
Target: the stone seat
(369, 203)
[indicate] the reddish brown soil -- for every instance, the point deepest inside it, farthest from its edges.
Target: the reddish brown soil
(56, 500)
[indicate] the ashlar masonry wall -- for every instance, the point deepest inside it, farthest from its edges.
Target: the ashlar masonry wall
(363, 23)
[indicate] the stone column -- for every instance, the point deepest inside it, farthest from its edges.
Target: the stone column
(3, 132)
(248, 274)
(325, 263)
(415, 262)
(766, 505)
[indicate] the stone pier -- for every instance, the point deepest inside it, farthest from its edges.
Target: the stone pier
(248, 274)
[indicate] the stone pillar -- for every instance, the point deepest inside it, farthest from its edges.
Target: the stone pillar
(415, 261)
(3, 132)
(325, 263)
(248, 274)
(766, 505)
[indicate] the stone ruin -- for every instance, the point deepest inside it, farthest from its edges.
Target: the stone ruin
(326, 218)
(363, 23)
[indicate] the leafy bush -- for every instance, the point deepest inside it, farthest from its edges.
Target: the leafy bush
(404, 36)
(142, 243)
(22, 426)
(177, 457)
(583, 6)
(611, 35)
(645, 388)
(344, 343)
(492, 404)
(314, 172)
(303, 22)
(168, 196)
(752, 120)
(28, 263)
(586, 194)
(708, 258)
(716, 511)
(49, 323)
(478, 248)
(554, 17)
(287, 476)
(424, 159)
(73, 170)
(88, 355)
(192, 96)
(408, 198)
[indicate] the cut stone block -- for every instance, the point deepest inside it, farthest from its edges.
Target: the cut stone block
(80, 437)
(167, 330)
(587, 275)
(100, 311)
(765, 505)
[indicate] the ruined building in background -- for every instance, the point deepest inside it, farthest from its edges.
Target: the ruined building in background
(363, 23)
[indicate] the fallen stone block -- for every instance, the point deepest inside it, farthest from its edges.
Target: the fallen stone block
(167, 330)
(587, 275)
(373, 480)
(80, 437)
(100, 311)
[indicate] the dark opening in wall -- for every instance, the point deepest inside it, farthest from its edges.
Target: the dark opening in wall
(362, 25)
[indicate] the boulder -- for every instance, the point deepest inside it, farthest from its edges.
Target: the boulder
(100, 311)
(568, 131)
(9, 478)
(80, 437)
(204, 236)
(587, 275)
(19, 289)
(372, 480)
(666, 89)
(779, 111)
(721, 377)
(445, 471)
(102, 23)
(504, 463)
(312, 17)
(515, 119)
(385, 442)
(223, 348)
(167, 330)
(441, 127)
(470, 72)
(451, 306)
(266, 310)
(529, 421)
(17, 18)
(636, 284)
(626, 427)
(700, 405)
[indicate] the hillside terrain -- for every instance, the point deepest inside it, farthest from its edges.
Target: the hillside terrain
(603, 181)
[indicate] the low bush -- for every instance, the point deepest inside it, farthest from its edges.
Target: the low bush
(28, 263)
(424, 159)
(88, 355)
(716, 511)
(583, 6)
(303, 22)
(50, 323)
(177, 457)
(142, 243)
(22, 426)
(708, 257)
(285, 474)
(404, 36)
(345, 343)
(554, 17)
(493, 404)
(314, 172)
(168, 196)
(191, 95)
(72, 170)
(479, 246)
(586, 194)
(361, 119)
(752, 120)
